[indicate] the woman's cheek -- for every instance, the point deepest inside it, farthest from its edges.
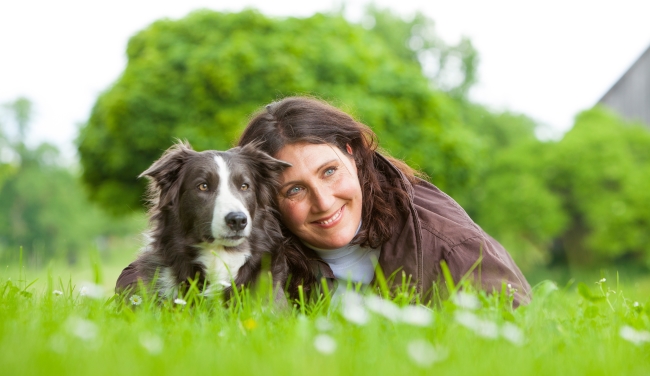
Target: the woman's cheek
(290, 213)
(348, 187)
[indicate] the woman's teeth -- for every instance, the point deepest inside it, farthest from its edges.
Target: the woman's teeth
(334, 218)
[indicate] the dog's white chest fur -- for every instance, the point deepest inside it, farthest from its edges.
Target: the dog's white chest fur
(221, 266)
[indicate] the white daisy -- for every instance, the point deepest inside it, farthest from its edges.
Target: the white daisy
(353, 309)
(324, 344)
(91, 290)
(512, 333)
(417, 315)
(467, 300)
(152, 343)
(383, 307)
(484, 328)
(637, 337)
(424, 354)
(135, 299)
(82, 328)
(180, 301)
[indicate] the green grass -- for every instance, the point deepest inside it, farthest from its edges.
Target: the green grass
(570, 330)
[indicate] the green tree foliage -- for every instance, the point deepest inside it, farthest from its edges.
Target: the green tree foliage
(515, 204)
(451, 68)
(582, 199)
(600, 171)
(6, 154)
(200, 77)
(44, 208)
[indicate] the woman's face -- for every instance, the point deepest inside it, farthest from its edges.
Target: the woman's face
(320, 196)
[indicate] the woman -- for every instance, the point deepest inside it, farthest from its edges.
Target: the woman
(345, 205)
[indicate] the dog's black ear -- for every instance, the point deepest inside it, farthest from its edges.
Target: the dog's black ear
(164, 173)
(268, 166)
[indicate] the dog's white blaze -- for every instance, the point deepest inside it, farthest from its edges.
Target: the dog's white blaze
(226, 202)
(221, 266)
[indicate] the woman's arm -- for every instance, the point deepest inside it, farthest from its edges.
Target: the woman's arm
(128, 279)
(495, 268)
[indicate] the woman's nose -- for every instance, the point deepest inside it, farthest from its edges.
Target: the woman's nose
(322, 199)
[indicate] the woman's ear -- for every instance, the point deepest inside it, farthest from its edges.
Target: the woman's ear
(348, 148)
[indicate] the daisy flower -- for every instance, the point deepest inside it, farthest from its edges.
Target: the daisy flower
(637, 337)
(468, 301)
(324, 344)
(152, 343)
(417, 315)
(91, 290)
(424, 354)
(353, 309)
(135, 299)
(383, 307)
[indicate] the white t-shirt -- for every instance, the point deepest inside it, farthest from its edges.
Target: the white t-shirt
(350, 263)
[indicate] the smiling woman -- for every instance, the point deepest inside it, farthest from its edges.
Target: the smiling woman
(346, 206)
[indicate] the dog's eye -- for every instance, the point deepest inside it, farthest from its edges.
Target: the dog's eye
(203, 186)
(244, 187)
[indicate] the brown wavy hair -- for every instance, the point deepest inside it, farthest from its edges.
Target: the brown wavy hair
(295, 120)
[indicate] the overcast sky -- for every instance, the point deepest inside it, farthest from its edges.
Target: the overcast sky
(547, 59)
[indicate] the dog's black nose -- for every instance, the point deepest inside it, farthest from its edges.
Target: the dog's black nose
(236, 220)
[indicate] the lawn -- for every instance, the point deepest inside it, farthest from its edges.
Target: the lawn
(65, 326)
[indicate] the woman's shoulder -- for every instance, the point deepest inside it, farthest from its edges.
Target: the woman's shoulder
(436, 211)
(441, 215)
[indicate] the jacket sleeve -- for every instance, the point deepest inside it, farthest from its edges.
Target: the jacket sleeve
(496, 267)
(128, 279)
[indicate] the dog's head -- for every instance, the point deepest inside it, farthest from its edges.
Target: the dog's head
(211, 196)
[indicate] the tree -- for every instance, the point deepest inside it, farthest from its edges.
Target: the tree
(582, 201)
(6, 154)
(515, 204)
(44, 208)
(600, 171)
(200, 77)
(450, 68)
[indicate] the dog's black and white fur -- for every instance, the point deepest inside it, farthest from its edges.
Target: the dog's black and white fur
(211, 218)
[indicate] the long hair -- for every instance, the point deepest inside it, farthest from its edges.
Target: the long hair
(307, 120)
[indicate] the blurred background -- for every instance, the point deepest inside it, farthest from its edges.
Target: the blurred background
(535, 118)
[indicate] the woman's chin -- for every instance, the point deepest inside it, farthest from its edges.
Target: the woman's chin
(336, 243)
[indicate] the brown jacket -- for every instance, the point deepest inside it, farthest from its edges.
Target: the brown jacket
(437, 229)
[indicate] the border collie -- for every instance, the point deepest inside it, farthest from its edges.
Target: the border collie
(211, 218)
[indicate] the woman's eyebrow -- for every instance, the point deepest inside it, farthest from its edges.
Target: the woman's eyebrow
(319, 168)
(323, 165)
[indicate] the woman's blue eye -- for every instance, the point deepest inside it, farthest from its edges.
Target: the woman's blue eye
(292, 191)
(330, 171)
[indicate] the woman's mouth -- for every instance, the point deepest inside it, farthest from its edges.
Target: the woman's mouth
(331, 220)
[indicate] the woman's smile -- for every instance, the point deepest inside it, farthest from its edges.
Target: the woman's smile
(333, 220)
(320, 196)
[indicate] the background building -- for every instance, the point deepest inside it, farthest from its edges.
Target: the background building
(630, 96)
